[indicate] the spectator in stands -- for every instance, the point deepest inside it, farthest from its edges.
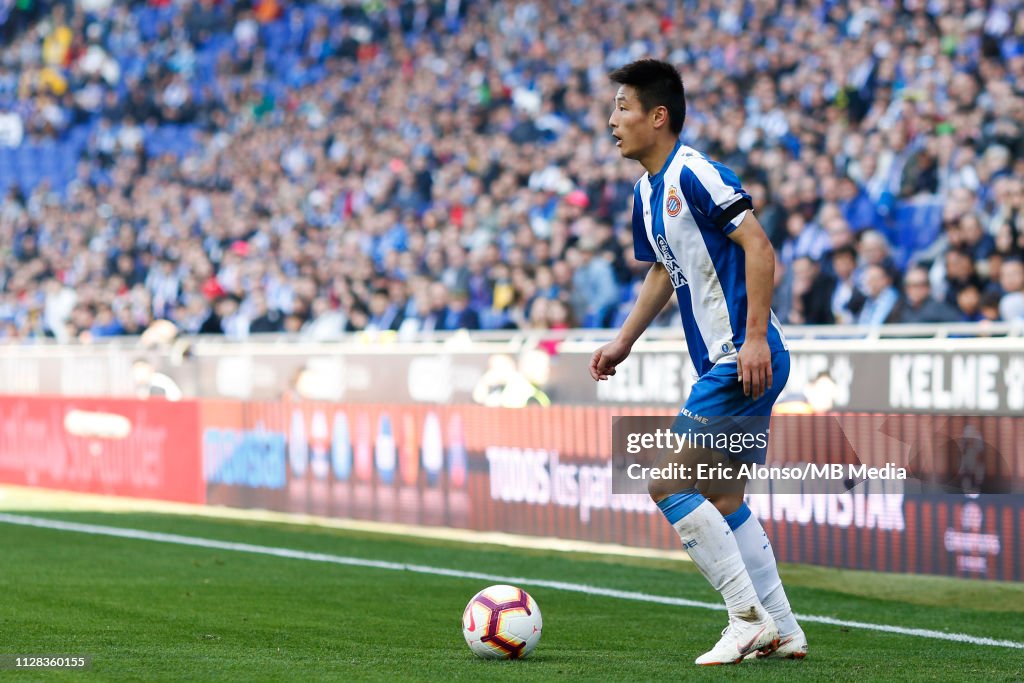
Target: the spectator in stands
(385, 311)
(105, 323)
(234, 322)
(213, 324)
(437, 312)
(769, 214)
(859, 212)
(917, 304)
(458, 315)
(873, 249)
(262, 317)
(847, 297)
(839, 235)
(559, 317)
(968, 300)
(782, 298)
(960, 272)
(1008, 217)
(213, 149)
(974, 239)
(1011, 307)
(1009, 239)
(881, 296)
(358, 318)
(989, 307)
(812, 294)
(594, 292)
(80, 321)
(57, 307)
(803, 239)
(1011, 277)
(413, 322)
(537, 316)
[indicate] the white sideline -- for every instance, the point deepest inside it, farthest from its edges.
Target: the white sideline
(176, 539)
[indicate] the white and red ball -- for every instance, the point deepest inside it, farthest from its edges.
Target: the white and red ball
(502, 622)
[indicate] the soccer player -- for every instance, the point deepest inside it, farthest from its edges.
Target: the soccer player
(694, 222)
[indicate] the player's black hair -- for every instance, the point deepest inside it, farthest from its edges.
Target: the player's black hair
(657, 84)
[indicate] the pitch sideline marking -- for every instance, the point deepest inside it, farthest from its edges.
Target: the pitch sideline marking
(14, 498)
(194, 541)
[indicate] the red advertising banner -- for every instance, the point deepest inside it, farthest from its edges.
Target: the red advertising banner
(548, 472)
(536, 471)
(143, 449)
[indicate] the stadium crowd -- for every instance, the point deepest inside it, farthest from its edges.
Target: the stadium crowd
(421, 165)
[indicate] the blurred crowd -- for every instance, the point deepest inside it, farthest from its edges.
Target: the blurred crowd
(419, 165)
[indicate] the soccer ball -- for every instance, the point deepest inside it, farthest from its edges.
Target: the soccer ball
(502, 622)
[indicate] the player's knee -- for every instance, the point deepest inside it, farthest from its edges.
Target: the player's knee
(656, 490)
(726, 503)
(663, 488)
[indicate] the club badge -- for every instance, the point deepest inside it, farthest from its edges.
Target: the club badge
(673, 203)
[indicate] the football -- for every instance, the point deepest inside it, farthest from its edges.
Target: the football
(502, 622)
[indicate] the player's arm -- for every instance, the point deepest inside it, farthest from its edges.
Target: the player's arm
(754, 363)
(654, 294)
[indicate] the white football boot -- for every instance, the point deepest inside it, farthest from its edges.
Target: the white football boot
(792, 646)
(741, 638)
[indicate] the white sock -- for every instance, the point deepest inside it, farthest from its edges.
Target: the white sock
(712, 547)
(759, 559)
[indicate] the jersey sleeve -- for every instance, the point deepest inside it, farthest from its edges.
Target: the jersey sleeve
(642, 250)
(715, 191)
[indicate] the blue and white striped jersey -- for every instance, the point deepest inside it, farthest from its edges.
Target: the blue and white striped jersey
(682, 218)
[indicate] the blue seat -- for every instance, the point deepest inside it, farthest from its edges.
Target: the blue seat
(275, 37)
(25, 154)
(914, 226)
(148, 22)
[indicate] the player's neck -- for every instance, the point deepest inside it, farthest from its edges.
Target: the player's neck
(655, 159)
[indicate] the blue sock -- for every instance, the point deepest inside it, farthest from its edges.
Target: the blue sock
(736, 519)
(678, 505)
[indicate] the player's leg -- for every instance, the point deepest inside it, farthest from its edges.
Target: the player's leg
(759, 560)
(712, 546)
(754, 545)
(707, 538)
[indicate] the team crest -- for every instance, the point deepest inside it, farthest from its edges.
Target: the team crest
(673, 204)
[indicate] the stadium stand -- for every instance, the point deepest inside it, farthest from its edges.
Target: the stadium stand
(316, 168)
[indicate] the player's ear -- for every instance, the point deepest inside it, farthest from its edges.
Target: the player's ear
(659, 116)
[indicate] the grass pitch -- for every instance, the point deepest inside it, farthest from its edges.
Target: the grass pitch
(147, 610)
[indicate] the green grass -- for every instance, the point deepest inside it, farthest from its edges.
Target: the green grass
(154, 611)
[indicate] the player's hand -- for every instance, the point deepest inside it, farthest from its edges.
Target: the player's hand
(754, 365)
(604, 360)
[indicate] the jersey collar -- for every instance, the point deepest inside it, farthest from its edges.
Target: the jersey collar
(656, 178)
